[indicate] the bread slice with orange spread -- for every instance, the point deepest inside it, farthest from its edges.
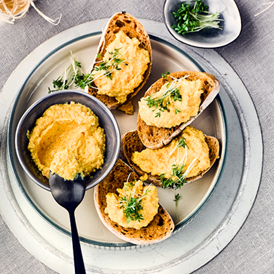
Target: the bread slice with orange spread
(158, 229)
(131, 144)
(123, 62)
(172, 103)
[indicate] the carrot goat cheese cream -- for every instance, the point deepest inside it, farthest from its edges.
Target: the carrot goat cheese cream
(67, 140)
(135, 205)
(176, 102)
(194, 155)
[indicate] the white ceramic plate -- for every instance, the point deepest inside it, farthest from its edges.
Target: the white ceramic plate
(165, 57)
(30, 211)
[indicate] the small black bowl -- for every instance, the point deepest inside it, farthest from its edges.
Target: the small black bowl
(35, 111)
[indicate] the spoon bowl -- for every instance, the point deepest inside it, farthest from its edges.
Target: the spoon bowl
(68, 194)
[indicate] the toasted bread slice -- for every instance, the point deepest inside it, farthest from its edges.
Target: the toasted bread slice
(154, 137)
(127, 108)
(159, 228)
(131, 142)
(125, 22)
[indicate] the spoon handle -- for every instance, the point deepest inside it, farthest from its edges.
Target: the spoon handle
(77, 253)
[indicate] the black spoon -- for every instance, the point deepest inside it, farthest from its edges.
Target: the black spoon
(69, 194)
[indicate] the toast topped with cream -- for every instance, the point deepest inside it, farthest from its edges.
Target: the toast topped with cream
(123, 62)
(149, 223)
(172, 103)
(187, 158)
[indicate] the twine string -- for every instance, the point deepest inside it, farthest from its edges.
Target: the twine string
(10, 10)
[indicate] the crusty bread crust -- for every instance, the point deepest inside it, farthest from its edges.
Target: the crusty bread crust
(159, 228)
(154, 137)
(131, 142)
(132, 28)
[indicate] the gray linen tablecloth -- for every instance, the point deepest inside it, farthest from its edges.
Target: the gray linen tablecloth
(251, 56)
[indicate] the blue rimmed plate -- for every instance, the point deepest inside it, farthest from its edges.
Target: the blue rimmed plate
(42, 228)
(165, 57)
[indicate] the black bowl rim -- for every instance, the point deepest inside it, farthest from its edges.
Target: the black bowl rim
(89, 183)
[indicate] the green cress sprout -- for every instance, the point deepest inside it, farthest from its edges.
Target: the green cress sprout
(164, 75)
(177, 177)
(112, 64)
(176, 200)
(193, 18)
(132, 206)
(162, 102)
(73, 73)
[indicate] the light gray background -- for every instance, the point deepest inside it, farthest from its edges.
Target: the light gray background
(251, 56)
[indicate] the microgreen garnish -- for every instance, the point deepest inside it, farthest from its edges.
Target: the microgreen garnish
(162, 102)
(104, 66)
(164, 75)
(112, 64)
(59, 84)
(78, 64)
(177, 198)
(72, 75)
(83, 80)
(116, 61)
(193, 18)
(177, 178)
(182, 142)
(132, 206)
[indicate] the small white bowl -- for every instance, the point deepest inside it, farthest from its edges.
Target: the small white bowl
(208, 38)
